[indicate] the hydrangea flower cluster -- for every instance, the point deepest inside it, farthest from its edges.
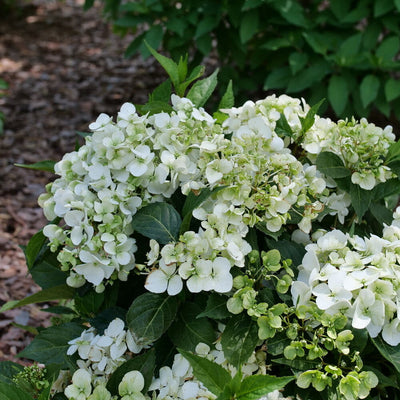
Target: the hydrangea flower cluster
(361, 145)
(101, 355)
(138, 160)
(176, 382)
(356, 276)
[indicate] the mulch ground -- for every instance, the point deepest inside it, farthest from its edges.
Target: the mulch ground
(64, 66)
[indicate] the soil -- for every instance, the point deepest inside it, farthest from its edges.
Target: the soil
(64, 66)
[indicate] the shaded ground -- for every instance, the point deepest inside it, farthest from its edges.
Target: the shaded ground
(64, 67)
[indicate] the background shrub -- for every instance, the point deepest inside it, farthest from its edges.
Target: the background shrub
(343, 50)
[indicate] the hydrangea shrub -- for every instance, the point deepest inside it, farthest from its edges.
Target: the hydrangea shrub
(252, 253)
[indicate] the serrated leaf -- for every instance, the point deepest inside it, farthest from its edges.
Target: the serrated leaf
(169, 65)
(388, 49)
(369, 89)
(53, 293)
(200, 92)
(46, 274)
(331, 165)
(187, 331)
(196, 73)
(88, 4)
(150, 315)
(11, 392)
(34, 247)
(278, 78)
(216, 307)
(282, 127)
(159, 221)
(393, 153)
(8, 370)
(382, 7)
(360, 199)
(47, 166)
(51, 344)
(249, 25)
(213, 376)
(386, 189)
(297, 62)
(338, 93)
(228, 99)
(162, 92)
(145, 364)
(298, 364)
(239, 339)
(392, 89)
(152, 38)
(381, 213)
(256, 386)
(154, 107)
(308, 121)
(390, 353)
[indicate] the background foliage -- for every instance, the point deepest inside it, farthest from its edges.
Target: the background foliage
(345, 51)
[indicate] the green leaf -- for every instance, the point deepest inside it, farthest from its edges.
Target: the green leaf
(194, 200)
(47, 166)
(187, 331)
(332, 165)
(200, 92)
(297, 62)
(350, 46)
(8, 370)
(393, 153)
(340, 8)
(216, 307)
(152, 38)
(317, 42)
(154, 107)
(183, 68)
(51, 344)
(388, 49)
(88, 4)
(169, 65)
(397, 4)
(206, 25)
(282, 127)
(392, 89)
(289, 250)
(84, 134)
(34, 247)
(390, 353)
(89, 303)
(256, 386)
(386, 189)
(239, 339)
(276, 345)
(382, 7)
(381, 213)
(338, 93)
(145, 364)
(213, 376)
(278, 78)
(53, 293)
(308, 76)
(228, 99)
(204, 44)
(159, 221)
(360, 199)
(46, 274)
(11, 392)
(162, 92)
(249, 25)
(150, 315)
(369, 89)
(298, 363)
(196, 73)
(308, 121)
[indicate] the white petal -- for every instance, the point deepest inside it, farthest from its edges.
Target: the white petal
(156, 282)
(93, 274)
(115, 327)
(175, 285)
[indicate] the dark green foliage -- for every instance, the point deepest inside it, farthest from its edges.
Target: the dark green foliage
(342, 50)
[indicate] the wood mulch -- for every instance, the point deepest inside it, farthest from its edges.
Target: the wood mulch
(64, 66)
